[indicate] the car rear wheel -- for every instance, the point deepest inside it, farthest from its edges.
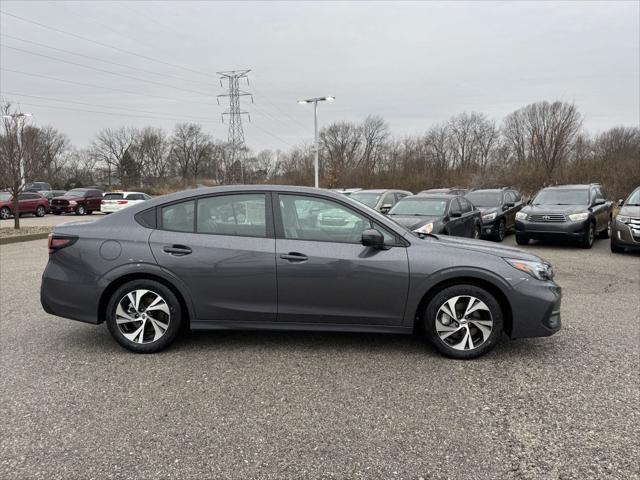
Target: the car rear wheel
(40, 211)
(5, 213)
(144, 316)
(589, 236)
(522, 239)
(89, 212)
(607, 231)
(80, 210)
(463, 321)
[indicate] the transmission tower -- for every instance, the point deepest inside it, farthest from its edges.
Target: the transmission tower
(234, 112)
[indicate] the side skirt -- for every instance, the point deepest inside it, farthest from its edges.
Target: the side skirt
(311, 327)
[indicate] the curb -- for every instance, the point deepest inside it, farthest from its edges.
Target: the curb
(23, 238)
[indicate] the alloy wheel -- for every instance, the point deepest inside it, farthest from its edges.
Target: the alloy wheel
(142, 316)
(5, 213)
(464, 322)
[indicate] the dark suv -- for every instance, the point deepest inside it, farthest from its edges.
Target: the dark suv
(625, 230)
(571, 211)
(499, 207)
(80, 201)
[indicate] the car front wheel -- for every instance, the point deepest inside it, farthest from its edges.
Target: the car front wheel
(522, 239)
(144, 316)
(463, 321)
(40, 211)
(589, 236)
(5, 213)
(501, 231)
(80, 210)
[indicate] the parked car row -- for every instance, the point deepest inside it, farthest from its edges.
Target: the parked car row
(80, 201)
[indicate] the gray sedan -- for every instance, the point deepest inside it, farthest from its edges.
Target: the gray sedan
(262, 257)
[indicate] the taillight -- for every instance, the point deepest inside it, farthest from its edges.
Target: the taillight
(58, 242)
(123, 202)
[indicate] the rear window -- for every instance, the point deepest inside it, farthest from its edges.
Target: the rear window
(112, 196)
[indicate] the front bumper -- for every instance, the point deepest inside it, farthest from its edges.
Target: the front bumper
(490, 227)
(538, 230)
(536, 309)
(625, 236)
(63, 208)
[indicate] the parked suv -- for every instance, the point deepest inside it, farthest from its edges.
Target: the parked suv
(579, 212)
(28, 202)
(380, 200)
(499, 207)
(80, 201)
(625, 230)
(261, 257)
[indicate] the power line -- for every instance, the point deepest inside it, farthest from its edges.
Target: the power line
(124, 75)
(130, 67)
(106, 45)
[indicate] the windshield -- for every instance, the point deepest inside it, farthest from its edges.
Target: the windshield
(428, 207)
(5, 196)
(634, 198)
(562, 197)
(75, 193)
(485, 199)
(370, 199)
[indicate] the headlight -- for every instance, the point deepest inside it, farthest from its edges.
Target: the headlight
(539, 270)
(578, 217)
(428, 228)
(623, 219)
(72, 202)
(488, 217)
(521, 216)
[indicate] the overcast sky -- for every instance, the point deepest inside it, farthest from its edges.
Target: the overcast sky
(415, 64)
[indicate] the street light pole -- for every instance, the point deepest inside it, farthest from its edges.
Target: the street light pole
(315, 133)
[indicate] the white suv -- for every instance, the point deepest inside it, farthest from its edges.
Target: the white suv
(114, 201)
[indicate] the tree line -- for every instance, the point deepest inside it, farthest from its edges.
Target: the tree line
(539, 144)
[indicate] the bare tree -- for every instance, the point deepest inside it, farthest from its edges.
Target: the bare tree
(190, 149)
(111, 147)
(340, 144)
(150, 153)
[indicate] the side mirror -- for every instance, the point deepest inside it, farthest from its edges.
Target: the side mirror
(510, 205)
(455, 214)
(386, 207)
(599, 201)
(372, 238)
(620, 203)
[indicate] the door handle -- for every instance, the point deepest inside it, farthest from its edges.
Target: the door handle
(177, 250)
(294, 257)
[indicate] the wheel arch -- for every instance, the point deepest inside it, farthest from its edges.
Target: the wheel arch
(121, 280)
(491, 287)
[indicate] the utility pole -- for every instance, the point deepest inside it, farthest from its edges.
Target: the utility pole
(236, 132)
(315, 131)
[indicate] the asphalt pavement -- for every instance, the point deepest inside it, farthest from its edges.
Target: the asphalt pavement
(74, 405)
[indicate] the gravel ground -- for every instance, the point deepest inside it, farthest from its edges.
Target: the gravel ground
(74, 405)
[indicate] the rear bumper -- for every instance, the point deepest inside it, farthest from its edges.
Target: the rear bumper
(552, 229)
(536, 309)
(110, 208)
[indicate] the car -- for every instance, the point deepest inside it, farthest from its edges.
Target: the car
(625, 229)
(51, 194)
(241, 257)
(36, 187)
(380, 200)
(438, 213)
(578, 212)
(114, 201)
(81, 201)
(28, 202)
(346, 191)
(449, 191)
(499, 207)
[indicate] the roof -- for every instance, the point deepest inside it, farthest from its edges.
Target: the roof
(426, 196)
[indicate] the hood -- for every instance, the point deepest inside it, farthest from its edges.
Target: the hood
(486, 210)
(564, 209)
(630, 211)
(487, 247)
(414, 221)
(67, 197)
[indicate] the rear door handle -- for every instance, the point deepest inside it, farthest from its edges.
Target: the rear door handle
(177, 250)
(294, 257)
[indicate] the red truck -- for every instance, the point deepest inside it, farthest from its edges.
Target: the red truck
(81, 201)
(28, 202)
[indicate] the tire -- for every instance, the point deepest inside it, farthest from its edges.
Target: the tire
(40, 211)
(56, 213)
(457, 344)
(80, 210)
(5, 213)
(615, 248)
(89, 212)
(128, 332)
(607, 231)
(501, 232)
(522, 239)
(589, 236)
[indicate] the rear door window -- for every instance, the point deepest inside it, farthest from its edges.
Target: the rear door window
(237, 215)
(179, 217)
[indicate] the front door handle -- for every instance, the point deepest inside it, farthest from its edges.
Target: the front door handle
(176, 250)
(294, 257)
